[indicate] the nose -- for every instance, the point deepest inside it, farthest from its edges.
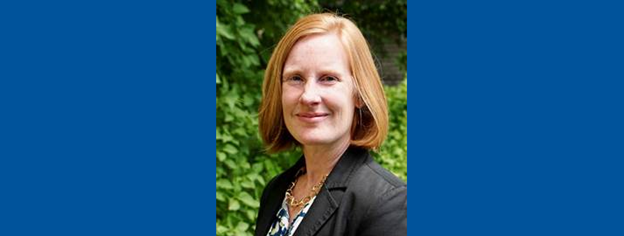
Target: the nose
(311, 95)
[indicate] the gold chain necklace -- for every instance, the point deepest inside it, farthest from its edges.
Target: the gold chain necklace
(290, 199)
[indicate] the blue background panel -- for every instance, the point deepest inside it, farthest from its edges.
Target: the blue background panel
(515, 118)
(107, 118)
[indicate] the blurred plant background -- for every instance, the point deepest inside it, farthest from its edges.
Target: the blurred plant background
(247, 31)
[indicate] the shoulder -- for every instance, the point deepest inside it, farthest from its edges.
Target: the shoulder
(388, 177)
(372, 177)
(377, 200)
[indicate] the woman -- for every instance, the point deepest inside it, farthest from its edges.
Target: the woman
(322, 93)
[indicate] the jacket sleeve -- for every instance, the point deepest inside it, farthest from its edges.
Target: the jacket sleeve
(388, 215)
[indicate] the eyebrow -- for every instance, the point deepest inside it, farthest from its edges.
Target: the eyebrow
(322, 71)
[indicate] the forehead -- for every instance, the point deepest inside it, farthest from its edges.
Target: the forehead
(318, 51)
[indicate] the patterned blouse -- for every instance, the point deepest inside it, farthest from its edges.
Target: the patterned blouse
(281, 227)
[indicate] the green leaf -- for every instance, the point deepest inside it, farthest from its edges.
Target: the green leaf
(231, 164)
(240, 8)
(226, 137)
(225, 31)
(248, 184)
(261, 181)
(248, 35)
(242, 226)
(228, 117)
(229, 148)
(240, 131)
(224, 184)
(252, 60)
(253, 175)
(221, 156)
(234, 205)
(243, 163)
(230, 99)
(251, 214)
(257, 167)
(221, 229)
(248, 200)
(220, 197)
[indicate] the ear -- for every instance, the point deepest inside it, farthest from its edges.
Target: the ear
(359, 103)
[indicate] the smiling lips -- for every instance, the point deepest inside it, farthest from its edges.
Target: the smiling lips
(311, 117)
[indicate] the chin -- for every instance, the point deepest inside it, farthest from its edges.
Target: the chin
(318, 140)
(313, 141)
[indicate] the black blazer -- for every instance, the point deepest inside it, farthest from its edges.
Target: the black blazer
(359, 197)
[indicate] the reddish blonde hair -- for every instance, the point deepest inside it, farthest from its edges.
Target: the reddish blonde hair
(370, 121)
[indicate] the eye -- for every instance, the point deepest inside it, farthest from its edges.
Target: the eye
(329, 79)
(294, 79)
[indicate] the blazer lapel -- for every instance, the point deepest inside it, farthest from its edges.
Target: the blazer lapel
(328, 200)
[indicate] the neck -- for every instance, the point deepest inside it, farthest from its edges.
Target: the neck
(320, 160)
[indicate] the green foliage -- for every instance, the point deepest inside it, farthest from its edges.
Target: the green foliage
(393, 153)
(246, 34)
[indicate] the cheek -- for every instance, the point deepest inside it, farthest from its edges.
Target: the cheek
(348, 108)
(287, 98)
(344, 104)
(347, 115)
(290, 99)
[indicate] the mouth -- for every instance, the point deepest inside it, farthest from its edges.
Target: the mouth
(311, 117)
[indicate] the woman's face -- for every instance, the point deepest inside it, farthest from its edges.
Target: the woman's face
(318, 92)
